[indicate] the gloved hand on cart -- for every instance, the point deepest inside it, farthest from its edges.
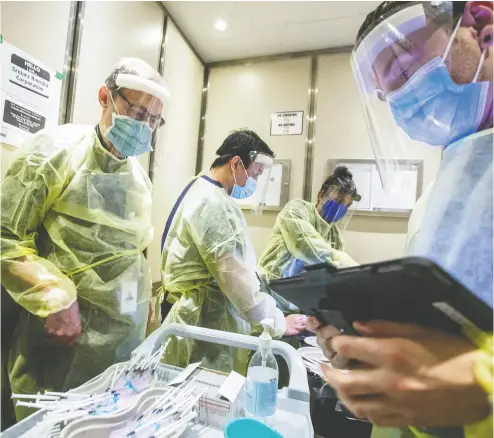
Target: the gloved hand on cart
(295, 324)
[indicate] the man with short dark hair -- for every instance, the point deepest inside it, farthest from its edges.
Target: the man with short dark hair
(208, 263)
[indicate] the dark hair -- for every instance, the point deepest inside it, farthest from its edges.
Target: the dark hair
(376, 16)
(240, 143)
(341, 178)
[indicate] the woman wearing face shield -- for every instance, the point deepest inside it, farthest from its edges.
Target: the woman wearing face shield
(306, 233)
(424, 72)
(208, 262)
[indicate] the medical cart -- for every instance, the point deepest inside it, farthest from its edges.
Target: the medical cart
(292, 418)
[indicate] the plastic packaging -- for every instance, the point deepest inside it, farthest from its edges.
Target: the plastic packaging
(262, 378)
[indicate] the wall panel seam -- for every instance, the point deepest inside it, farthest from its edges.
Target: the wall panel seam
(182, 34)
(71, 62)
(202, 121)
(311, 131)
(161, 69)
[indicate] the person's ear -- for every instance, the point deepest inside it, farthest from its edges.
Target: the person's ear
(104, 97)
(479, 15)
(234, 163)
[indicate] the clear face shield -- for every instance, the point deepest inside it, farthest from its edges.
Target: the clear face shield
(139, 105)
(402, 69)
(337, 205)
(260, 172)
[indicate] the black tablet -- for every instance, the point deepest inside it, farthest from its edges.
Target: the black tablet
(410, 290)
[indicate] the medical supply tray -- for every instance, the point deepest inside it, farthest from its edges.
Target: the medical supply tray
(292, 418)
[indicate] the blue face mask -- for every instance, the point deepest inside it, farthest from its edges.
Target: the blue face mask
(431, 108)
(333, 211)
(129, 136)
(239, 192)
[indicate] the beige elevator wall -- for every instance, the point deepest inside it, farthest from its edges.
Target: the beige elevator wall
(341, 134)
(244, 97)
(176, 150)
(22, 23)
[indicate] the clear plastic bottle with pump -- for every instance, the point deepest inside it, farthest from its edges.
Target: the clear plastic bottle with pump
(262, 378)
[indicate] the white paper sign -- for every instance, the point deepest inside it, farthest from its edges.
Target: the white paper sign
(287, 123)
(30, 95)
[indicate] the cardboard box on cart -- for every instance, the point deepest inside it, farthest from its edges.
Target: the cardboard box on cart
(223, 396)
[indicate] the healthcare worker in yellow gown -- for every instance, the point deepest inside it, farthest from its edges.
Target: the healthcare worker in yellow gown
(424, 72)
(306, 233)
(208, 262)
(76, 207)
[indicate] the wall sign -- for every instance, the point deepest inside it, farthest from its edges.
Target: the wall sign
(287, 123)
(30, 95)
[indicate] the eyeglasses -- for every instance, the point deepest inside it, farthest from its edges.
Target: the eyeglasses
(142, 114)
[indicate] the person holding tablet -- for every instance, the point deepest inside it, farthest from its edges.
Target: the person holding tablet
(425, 69)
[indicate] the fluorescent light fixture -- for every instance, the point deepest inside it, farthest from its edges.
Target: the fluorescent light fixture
(220, 25)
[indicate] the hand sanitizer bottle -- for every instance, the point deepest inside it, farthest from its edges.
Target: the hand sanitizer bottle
(262, 378)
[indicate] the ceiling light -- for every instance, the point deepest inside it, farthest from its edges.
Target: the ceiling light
(220, 25)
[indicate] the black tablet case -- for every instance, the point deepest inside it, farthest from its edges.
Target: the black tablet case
(412, 290)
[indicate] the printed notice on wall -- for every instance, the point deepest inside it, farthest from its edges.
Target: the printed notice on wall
(287, 123)
(30, 95)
